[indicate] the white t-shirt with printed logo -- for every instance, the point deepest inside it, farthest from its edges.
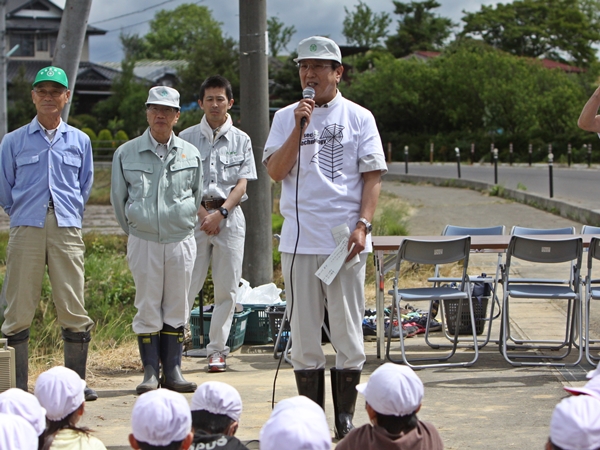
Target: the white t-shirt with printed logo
(335, 146)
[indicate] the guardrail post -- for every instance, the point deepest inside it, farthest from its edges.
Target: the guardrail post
(495, 152)
(431, 153)
(550, 160)
(406, 159)
(510, 154)
(457, 160)
(530, 153)
(569, 154)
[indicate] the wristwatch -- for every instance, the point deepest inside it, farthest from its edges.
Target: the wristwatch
(224, 212)
(367, 224)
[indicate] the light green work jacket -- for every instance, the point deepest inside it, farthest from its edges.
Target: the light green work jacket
(156, 199)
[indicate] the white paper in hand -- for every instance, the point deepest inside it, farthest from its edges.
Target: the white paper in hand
(332, 265)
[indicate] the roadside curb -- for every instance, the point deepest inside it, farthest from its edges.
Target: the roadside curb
(561, 208)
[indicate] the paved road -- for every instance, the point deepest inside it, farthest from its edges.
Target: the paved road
(577, 185)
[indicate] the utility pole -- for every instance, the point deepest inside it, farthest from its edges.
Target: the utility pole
(69, 43)
(254, 105)
(3, 67)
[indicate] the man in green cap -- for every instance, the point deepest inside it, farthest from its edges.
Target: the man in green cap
(46, 174)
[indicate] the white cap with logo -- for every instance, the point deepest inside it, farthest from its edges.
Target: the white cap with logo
(393, 390)
(163, 95)
(318, 47)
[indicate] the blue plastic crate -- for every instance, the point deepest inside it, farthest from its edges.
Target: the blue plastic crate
(258, 330)
(236, 334)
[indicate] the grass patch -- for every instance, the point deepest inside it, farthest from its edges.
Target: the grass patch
(100, 194)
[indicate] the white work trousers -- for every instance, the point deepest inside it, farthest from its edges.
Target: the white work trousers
(162, 274)
(345, 298)
(226, 250)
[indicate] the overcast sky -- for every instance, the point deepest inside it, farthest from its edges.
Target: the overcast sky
(310, 17)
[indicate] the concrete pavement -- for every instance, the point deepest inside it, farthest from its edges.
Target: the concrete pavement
(490, 405)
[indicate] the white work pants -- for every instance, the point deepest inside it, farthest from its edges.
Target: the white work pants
(345, 305)
(162, 275)
(226, 251)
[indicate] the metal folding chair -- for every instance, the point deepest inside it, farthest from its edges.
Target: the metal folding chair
(592, 292)
(543, 252)
(588, 229)
(434, 253)
(524, 231)
(453, 230)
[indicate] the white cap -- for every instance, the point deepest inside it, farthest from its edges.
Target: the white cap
(218, 398)
(160, 417)
(296, 428)
(299, 401)
(575, 423)
(393, 390)
(60, 391)
(17, 401)
(16, 432)
(318, 47)
(163, 95)
(592, 388)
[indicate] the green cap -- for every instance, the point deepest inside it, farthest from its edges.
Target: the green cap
(52, 73)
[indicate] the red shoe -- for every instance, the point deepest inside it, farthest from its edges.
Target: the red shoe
(216, 363)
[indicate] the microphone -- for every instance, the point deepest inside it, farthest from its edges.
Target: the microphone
(308, 92)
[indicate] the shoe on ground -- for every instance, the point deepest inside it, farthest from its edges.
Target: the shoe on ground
(216, 362)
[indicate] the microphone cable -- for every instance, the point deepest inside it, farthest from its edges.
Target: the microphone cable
(306, 94)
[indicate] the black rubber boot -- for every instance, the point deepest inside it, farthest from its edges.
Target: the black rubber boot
(343, 388)
(20, 342)
(171, 347)
(311, 384)
(76, 351)
(149, 345)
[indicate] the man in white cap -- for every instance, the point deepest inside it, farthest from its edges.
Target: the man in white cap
(328, 154)
(296, 423)
(156, 191)
(161, 419)
(16, 432)
(16, 401)
(393, 396)
(46, 175)
(216, 410)
(575, 424)
(228, 164)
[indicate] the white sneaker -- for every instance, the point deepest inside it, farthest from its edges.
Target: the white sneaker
(216, 362)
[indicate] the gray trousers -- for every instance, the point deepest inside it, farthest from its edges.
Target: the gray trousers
(346, 308)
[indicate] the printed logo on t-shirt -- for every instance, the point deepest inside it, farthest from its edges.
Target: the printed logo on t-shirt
(330, 158)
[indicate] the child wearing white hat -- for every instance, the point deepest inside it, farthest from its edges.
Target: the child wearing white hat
(296, 423)
(216, 410)
(17, 401)
(393, 397)
(161, 419)
(575, 424)
(16, 433)
(61, 391)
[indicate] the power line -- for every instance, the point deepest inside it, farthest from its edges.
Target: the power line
(132, 13)
(137, 12)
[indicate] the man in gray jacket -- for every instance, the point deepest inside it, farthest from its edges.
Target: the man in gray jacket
(156, 191)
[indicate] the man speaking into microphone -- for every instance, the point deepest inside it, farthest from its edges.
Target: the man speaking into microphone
(328, 153)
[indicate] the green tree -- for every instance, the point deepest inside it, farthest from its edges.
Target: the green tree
(190, 33)
(364, 28)
(418, 28)
(21, 109)
(279, 35)
(134, 46)
(555, 29)
(126, 103)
